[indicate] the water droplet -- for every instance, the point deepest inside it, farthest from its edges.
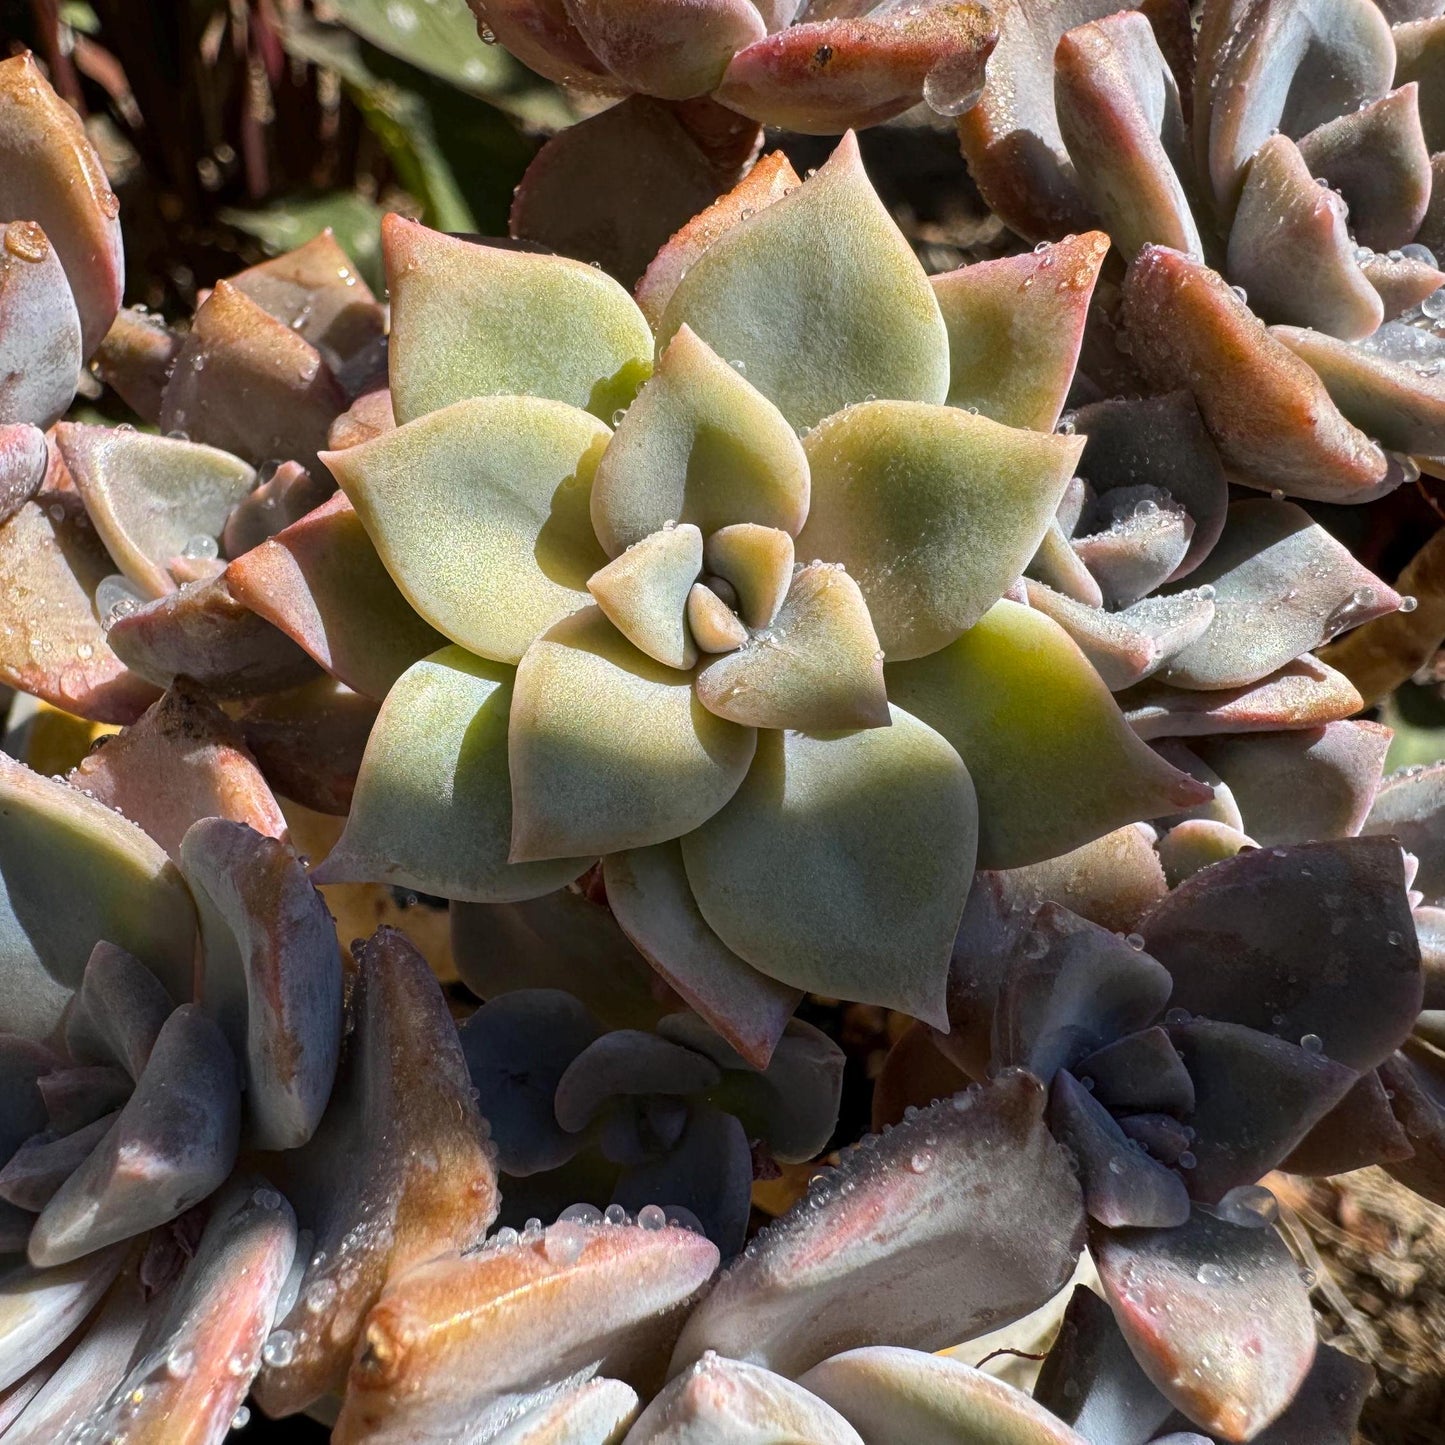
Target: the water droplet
(1212, 1274)
(26, 241)
(320, 1295)
(279, 1349)
(651, 1217)
(1187, 1160)
(921, 1161)
(616, 1214)
(1408, 603)
(1135, 941)
(1177, 1016)
(241, 1418)
(580, 1214)
(1251, 1206)
(180, 1362)
(1312, 1043)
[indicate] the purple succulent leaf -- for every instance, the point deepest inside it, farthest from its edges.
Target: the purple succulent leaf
(792, 1104)
(1131, 542)
(892, 1393)
(1314, 939)
(94, 1366)
(648, 892)
(287, 495)
(50, 552)
(1036, 304)
(15, 1226)
(46, 1160)
(1415, 1077)
(1216, 1315)
(53, 178)
(135, 360)
(75, 872)
(208, 770)
(1221, 809)
(1122, 1185)
(708, 1172)
(1360, 1130)
(1120, 118)
(1326, 1408)
(658, 180)
(321, 583)
(1295, 787)
(24, 461)
(1256, 1097)
(173, 1144)
(1290, 249)
(39, 328)
(1091, 1380)
(1139, 1073)
(717, 1398)
(22, 1106)
(309, 742)
(473, 1339)
(1267, 412)
(376, 1201)
(1279, 65)
(78, 1096)
(41, 1308)
(627, 1062)
(563, 940)
(1304, 693)
(119, 1011)
(202, 1358)
(1410, 807)
(270, 975)
(1163, 1136)
(1389, 386)
(1070, 988)
(1402, 282)
(831, 75)
(206, 634)
(912, 1233)
(517, 1048)
(246, 382)
(542, 35)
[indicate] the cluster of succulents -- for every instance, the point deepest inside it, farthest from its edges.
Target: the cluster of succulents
(791, 628)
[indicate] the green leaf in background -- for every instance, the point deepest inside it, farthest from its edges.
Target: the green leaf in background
(1418, 716)
(355, 220)
(438, 36)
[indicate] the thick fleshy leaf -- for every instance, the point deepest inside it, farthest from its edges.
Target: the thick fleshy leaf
(151, 497)
(1030, 307)
(648, 891)
(769, 180)
(1314, 939)
(1403, 282)
(119, 1012)
(670, 48)
(1359, 1131)
(1140, 1072)
(1282, 585)
(842, 864)
(1414, 1077)
(203, 632)
(816, 263)
(469, 320)
(174, 1142)
(1255, 1098)
(835, 73)
(1057, 565)
(512, 474)
(609, 749)
(1290, 249)
(377, 1201)
(208, 771)
(77, 1097)
(1120, 120)
(432, 808)
(1388, 390)
(1410, 807)
(73, 872)
(44, 1162)
(1304, 693)
(39, 328)
(757, 563)
(270, 975)
(136, 358)
(1110, 881)
(932, 510)
(321, 582)
(24, 461)
(1295, 787)
(1281, 65)
(191, 1380)
(623, 1062)
(1159, 442)
(1326, 1408)
(541, 34)
(700, 445)
(1122, 1185)
(1011, 138)
(248, 383)
(597, 1413)
(53, 177)
(714, 626)
(1051, 757)
(896, 1394)
(517, 1049)
(39, 1308)
(468, 1338)
(645, 593)
(1132, 542)
(914, 1074)
(1376, 158)
(284, 498)
(51, 564)
(962, 1218)
(368, 416)
(1216, 1315)
(1417, 51)
(818, 667)
(717, 1398)
(1267, 412)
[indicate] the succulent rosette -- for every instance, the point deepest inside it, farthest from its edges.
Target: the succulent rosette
(1278, 164)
